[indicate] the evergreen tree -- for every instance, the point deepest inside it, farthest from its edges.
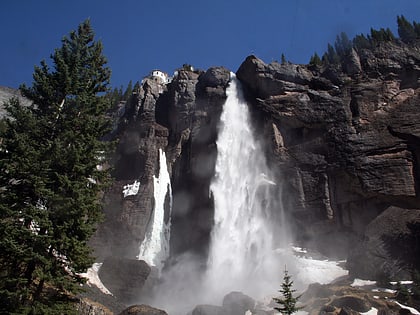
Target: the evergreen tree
(315, 60)
(50, 181)
(343, 45)
(361, 42)
(128, 91)
(283, 59)
(331, 55)
(287, 304)
(406, 30)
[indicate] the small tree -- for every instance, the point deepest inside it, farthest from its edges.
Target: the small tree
(283, 59)
(315, 60)
(406, 30)
(287, 304)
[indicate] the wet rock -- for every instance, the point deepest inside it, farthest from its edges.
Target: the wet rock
(208, 310)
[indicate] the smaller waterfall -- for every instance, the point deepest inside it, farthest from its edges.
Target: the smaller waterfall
(154, 249)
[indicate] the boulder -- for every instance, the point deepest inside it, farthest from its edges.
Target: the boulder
(237, 303)
(387, 238)
(207, 309)
(351, 303)
(125, 278)
(142, 310)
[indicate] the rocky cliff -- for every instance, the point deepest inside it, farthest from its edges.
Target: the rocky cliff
(347, 139)
(344, 141)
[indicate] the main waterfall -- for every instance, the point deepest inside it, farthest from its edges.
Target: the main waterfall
(241, 255)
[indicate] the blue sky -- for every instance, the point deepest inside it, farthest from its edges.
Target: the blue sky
(140, 35)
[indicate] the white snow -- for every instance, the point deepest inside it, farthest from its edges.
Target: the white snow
(93, 278)
(372, 311)
(362, 283)
(131, 189)
(390, 291)
(401, 282)
(154, 249)
(412, 310)
(299, 250)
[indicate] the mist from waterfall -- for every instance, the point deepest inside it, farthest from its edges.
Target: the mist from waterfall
(154, 249)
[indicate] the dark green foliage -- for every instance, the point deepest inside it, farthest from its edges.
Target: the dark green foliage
(315, 60)
(117, 95)
(49, 180)
(403, 295)
(287, 303)
(128, 91)
(361, 42)
(331, 56)
(406, 30)
(343, 45)
(382, 35)
(283, 59)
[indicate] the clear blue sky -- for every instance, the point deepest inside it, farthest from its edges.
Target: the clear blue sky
(140, 35)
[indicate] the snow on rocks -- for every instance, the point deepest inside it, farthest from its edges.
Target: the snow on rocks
(131, 189)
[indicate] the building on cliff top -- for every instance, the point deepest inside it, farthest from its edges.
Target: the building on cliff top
(159, 76)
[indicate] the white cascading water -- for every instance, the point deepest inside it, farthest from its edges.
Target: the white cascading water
(241, 253)
(154, 249)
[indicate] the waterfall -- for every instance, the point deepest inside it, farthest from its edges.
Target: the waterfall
(154, 249)
(241, 253)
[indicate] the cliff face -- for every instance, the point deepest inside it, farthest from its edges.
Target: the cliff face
(343, 140)
(180, 118)
(348, 141)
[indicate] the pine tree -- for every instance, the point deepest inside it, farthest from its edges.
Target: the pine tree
(343, 45)
(283, 59)
(287, 304)
(50, 181)
(315, 60)
(406, 30)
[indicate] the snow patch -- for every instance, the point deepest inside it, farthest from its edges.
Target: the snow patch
(412, 310)
(372, 311)
(321, 271)
(131, 189)
(362, 283)
(401, 282)
(93, 278)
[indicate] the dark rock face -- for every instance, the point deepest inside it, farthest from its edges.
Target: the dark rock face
(179, 118)
(347, 139)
